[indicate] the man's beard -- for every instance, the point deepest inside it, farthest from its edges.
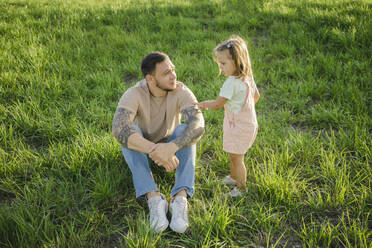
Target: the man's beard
(161, 87)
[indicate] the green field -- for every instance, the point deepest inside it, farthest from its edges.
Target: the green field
(65, 63)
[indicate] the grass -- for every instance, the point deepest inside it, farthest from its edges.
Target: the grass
(65, 64)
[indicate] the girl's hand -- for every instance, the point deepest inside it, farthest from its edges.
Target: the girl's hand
(212, 104)
(201, 105)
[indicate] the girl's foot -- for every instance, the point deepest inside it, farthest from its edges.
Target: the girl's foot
(229, 181)
(235, 193)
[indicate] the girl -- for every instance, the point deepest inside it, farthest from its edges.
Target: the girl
(238, 96)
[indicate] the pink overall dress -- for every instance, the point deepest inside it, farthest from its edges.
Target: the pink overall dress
(240, 130)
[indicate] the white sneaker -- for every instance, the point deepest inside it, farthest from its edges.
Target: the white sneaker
(158, 206)
(235, 193)
(229, 181)
(179, 221)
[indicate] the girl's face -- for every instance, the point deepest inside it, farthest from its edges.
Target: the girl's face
(225, 63)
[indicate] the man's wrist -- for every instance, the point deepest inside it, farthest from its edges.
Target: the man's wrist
(174, 146)
(150, 147)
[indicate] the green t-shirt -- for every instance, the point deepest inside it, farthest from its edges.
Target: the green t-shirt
(235, 90)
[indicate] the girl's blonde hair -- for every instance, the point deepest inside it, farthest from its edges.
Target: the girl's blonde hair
(239, 53)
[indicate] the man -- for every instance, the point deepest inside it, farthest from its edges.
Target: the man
(147, 125)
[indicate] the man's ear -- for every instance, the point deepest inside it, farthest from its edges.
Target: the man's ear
(149, 78)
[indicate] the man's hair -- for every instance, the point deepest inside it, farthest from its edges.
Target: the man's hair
(149, 62)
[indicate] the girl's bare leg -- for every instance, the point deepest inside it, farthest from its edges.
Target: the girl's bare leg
(237, 169)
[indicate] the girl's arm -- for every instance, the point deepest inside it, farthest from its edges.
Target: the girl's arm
(213, 104)
(256, 95)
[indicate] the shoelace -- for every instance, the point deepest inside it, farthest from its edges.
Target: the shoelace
(155, 208)
(181, 204)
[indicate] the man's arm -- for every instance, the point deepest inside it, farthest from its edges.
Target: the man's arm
(192, 133)
(194, 130)
(125, 133)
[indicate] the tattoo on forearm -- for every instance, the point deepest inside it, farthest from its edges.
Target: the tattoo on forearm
(195, 127)
(122, 126)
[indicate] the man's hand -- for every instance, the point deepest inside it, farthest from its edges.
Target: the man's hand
(163, 154)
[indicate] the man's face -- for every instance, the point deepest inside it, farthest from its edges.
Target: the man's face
(165, 75)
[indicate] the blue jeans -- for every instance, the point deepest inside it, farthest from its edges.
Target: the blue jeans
(143, 180)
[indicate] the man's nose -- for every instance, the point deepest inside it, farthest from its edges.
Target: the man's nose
(173, 75)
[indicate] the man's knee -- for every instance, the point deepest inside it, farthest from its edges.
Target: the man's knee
(179, 129)
(138, 129)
